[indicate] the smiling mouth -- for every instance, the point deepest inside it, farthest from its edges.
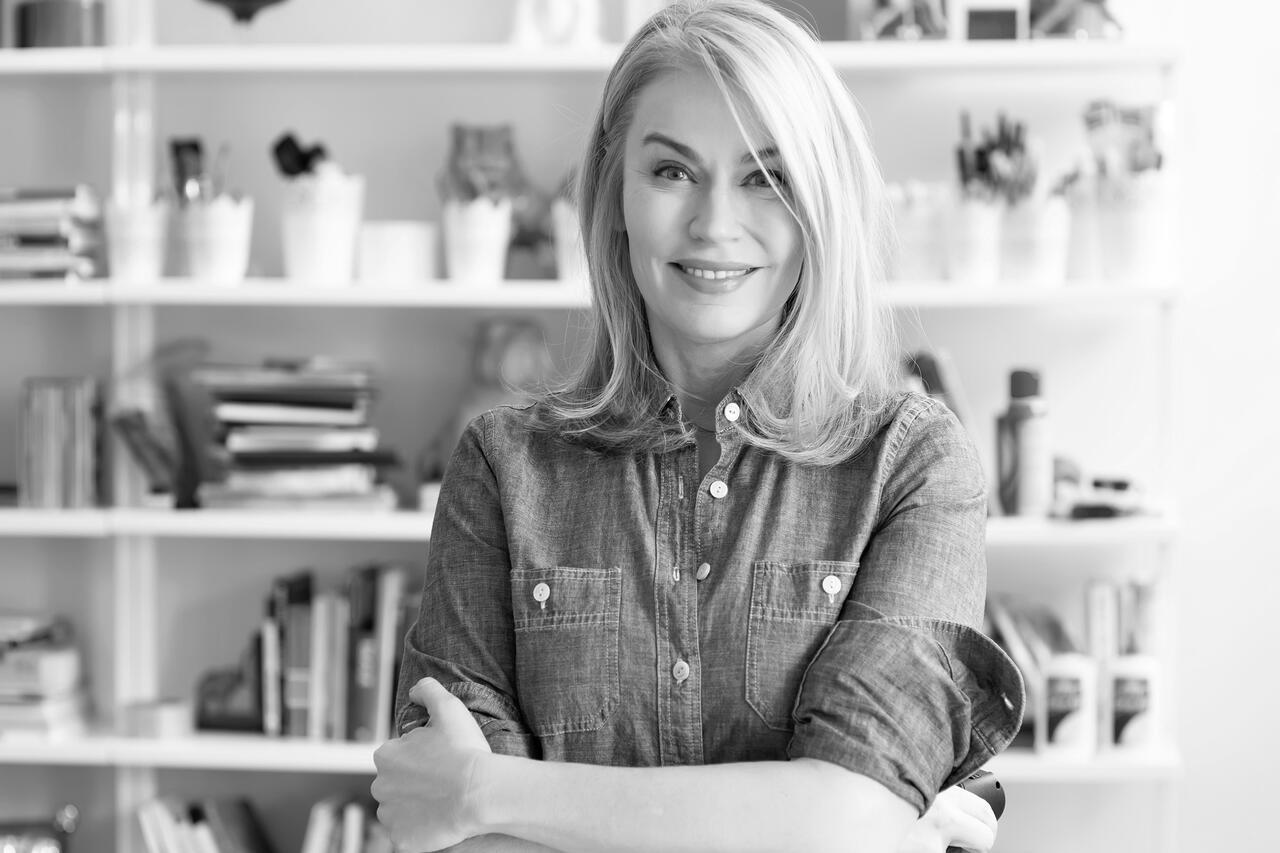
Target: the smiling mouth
(714, 275)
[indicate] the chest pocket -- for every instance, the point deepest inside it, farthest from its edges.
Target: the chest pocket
(566, 631)
(793, 607)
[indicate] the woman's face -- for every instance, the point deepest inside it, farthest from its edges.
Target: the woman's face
(713, 249)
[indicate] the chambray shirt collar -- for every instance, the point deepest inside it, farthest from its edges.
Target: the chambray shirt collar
(751, 387)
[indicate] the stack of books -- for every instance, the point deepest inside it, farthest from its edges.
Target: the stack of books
(41, 685)
(50, 233)
(211, 825)
(295, 434)
(58, 443)
(323, 665)
(342, 825)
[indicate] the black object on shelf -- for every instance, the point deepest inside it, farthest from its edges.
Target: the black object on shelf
(244, 10)
(60, 23)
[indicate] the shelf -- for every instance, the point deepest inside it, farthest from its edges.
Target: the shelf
(535, 294)
(53, 523)
(405, 526)
(285, 293)
(60, 61)
(924, 295)
(257, 753)
(1054, 533)
(35, 292)
(853, 57)
(1025, 766)
(410, 526)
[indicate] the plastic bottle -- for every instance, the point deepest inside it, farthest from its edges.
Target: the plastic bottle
(1024, 455)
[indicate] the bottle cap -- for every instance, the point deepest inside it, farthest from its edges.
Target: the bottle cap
(1024, 383)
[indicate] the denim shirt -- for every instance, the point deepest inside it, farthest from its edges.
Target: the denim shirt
(609, 608)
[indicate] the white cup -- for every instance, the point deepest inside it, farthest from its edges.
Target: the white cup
(571, 255)
(1036, 238)
(973, 242)
(320, 222)
(477, 235)
(136, 241)
(393, 253)
(215, 239)
(918, 218)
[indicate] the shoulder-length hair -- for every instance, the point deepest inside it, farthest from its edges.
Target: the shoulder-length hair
(821, 386)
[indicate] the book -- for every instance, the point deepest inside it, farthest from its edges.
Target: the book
(321, 664)
(263, 438)
(322, 824)
(144, 445)
(293, 595)
(35, 671)
(353, 823)
(270, 686)
(390, 593)
(309, 459)
(362, 647)
(21, 262)
(273, 413)
(303, 482)
(22, 204)
(1010, 638)
(935, 375)
(380, 499)
(236, 826)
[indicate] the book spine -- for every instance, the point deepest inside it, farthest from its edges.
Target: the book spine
(390, 590)
(272, 713)
(363, 651)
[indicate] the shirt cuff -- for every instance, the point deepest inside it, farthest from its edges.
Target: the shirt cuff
(496, 715)
(916, 704)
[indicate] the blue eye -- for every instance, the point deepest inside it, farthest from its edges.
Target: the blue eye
(758, 179)
(671, 172)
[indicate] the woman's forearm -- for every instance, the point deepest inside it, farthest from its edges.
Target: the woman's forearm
(775, 805)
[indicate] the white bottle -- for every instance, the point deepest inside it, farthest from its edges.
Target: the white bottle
(1024, 451)
(1133, 701)
(1067, 718)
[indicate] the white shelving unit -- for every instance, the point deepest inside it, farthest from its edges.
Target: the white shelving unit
(134, 535)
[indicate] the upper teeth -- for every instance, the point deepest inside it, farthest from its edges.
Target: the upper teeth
(714, 273)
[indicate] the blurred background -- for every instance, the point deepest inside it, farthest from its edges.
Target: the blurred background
(260, 261)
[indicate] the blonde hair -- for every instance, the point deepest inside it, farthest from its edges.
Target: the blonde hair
(833, 362)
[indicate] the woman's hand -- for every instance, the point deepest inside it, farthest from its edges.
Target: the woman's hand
(423, 785)
(957, 818)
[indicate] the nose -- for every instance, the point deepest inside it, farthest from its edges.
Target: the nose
(716, 217)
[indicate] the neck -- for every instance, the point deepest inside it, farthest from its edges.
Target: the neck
(702, 374)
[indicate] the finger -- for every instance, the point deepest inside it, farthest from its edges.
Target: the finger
(438, 701)
(972, 835)
(976, 807)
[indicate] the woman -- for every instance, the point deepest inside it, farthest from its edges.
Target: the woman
(719, 592)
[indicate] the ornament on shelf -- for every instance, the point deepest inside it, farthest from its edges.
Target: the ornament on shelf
(244, 10)
(561, 22)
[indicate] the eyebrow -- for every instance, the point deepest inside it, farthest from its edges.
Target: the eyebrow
(687, 152)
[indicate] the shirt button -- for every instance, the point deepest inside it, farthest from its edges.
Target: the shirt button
(541, 592)
(703, 571)
(719, 489)
(680, 671)
(831, 584)
(731, 412)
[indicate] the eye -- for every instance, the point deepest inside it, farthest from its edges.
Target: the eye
(672, 172)
(759, 180)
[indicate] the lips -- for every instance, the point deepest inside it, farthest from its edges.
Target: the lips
(707, 279)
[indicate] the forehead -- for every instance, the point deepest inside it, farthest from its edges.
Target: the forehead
(686, 105)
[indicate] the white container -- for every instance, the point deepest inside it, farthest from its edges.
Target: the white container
(919, 213)
(320, 223)
(1036, 236)
(136, 236)
(1134, 230)
(396, 253)
(1132, 701)
(1067, 720)
(215, 239)
(973, 242)
(571, 254)
(477, 235)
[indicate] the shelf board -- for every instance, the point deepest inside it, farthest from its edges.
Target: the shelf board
(59, 61)
(932, 294)
(284, 293)
(410, 526)
(208, 751)
(554, 294)
(846, 56)
(404, 526)
(852, 57)
(36, 292)
(1027, 767)
(53, 523)
(1055, 533)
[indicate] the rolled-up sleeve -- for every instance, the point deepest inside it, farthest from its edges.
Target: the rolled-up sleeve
(906, 689)
(463, 636)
